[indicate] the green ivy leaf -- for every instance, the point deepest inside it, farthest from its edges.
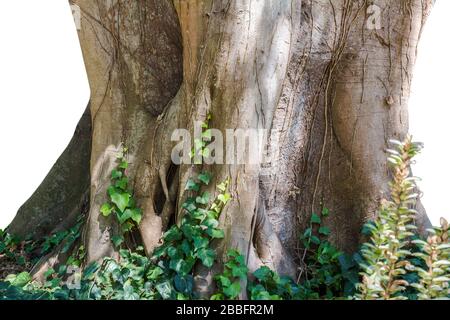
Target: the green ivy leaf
(199, 214)
(222, 187)
(189, 205)
(121, 200)
(160, 251)
(200, 242)
(127, 226)
(206, 152)
(136, 215)
(324, 231)
(164, 289)
(116, 174)
(117, 240)
(212, 214)
(224, 198)
(198, 144)
(205, 178)
(207, 256)
(48, 273)
(186, 247)
(184, 284)
(181, 266)
(325, 212)
(224, 281)
(106, 209)
(315, 240)
(123, 165)
(307, 233)
(211, 223)
(177, 264)
(122, 183)
(124, 216)
(154, 273)
(21, 279)
(215, 233)
(192, 186)
(173, 234)
(112, 190)
(207, 135)
(239, 271)
(262, 273)
(233, 290)
(90, 270)
(233, 253)
(215, 208)
(315, 219)
(204, 199)
(174, 253)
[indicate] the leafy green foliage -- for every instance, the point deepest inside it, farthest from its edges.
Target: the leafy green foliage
(8, 291)
(234, 273)
(66, 236)
(435, 253)
(124, 279)
(386, 254)
(168, 274)
(26, 253)
(185, 245)
(21, 286)
(122, 204)
(19, 280)
(12, 247)
(396, 264)
(200, 149)
(268, 285)
(327, 273)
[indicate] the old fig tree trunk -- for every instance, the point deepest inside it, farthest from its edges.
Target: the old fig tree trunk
(330, 78)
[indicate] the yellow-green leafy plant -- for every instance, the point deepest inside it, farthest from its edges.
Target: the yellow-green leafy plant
(121, 201)
(386, 255)
(435, 252)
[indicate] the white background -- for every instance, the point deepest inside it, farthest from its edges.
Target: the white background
(44, 91)
(430, 112)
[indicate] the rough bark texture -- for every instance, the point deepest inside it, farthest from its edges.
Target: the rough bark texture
(335, 89)
(132, 51)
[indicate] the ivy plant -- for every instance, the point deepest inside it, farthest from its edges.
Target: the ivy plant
(188, 243)
(234, 273)
(121, 203)
(200, 149)
(327, 272)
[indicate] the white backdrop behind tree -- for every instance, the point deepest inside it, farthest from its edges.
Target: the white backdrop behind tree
(44, 91)
(430, 113)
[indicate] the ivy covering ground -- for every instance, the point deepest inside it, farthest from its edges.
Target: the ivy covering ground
(394, 264)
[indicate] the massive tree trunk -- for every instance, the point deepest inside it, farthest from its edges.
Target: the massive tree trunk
(327, 79)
